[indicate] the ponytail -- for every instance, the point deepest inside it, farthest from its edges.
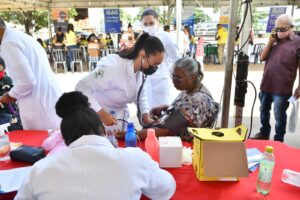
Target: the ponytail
(150, 44)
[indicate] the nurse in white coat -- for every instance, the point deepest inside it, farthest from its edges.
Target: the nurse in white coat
(160, 89)
(117, 79)
(35, 87)
(91, 168)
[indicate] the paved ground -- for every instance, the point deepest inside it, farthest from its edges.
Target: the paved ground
(214, 80)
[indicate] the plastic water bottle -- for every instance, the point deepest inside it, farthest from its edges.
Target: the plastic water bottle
(265, 173)
(291, 177)
(152, 145)
(130, 137)
(111, 134)
(4, 143)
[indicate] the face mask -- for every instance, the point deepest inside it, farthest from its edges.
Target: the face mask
(282, 35)
(150, 70)
(2, 74)
(150, 29)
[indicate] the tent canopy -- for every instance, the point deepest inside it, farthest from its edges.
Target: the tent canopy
(48, 4)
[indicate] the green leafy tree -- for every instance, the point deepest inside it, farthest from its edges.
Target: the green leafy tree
(32, 20)
(72, 13)
(124, 15)
(200, 16)
(256, 16)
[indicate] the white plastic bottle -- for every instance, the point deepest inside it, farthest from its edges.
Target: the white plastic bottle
(291, 177)
(111, 135)
(265, 173)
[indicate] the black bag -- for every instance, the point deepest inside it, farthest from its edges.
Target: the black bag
(28, 154)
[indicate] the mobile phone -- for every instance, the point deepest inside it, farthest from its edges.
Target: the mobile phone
(274, 34)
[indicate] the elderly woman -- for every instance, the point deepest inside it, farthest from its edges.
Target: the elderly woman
(193, 107)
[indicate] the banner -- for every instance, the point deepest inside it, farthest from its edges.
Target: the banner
(274, 13)
(112, 20)
(190, 22)
(60, 18)
(224, 16)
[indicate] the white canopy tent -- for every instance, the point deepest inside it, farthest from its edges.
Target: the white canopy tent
(48, 4)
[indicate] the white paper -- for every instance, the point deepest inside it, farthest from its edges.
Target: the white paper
(11, 180)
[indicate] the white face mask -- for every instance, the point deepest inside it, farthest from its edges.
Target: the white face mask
(150, 29)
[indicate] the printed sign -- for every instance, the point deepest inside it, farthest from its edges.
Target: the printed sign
(60, 18)
(224, 16)
(112, 20)
(274, 13)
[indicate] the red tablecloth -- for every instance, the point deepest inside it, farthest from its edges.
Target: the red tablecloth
(188, 187)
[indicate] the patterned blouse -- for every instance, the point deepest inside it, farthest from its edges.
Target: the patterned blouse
(200, 106)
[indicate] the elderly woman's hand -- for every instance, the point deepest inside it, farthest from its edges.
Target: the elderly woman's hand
(120, 134)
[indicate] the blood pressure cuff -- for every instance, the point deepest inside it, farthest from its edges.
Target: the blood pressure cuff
(175, 121)
(28, 154)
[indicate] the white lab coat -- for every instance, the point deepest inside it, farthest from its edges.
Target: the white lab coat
(91, 168)
(159, 86)
(112, 85)
(35, 86)
(183, 43)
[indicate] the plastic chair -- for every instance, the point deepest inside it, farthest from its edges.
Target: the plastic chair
(59, 57)
(94, 57)
(76, 58)
(105, 52)
(84, 52)
(210, 50)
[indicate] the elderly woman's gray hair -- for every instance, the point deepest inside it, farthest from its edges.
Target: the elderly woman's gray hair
(189, 66)
(2, 23)
(286, 18)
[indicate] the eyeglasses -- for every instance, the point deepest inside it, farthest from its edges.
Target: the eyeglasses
(177, 78)
(282, 29)
(148, 24)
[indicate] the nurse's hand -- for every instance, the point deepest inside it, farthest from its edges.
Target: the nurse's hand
(147, 119)
(106, 118)
(156, 112)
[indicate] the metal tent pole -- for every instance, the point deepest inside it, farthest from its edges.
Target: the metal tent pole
(229, 61)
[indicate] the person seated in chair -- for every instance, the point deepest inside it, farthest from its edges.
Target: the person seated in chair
(8, 113)
(193, 107)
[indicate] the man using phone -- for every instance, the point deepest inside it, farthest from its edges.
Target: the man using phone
(282, 56)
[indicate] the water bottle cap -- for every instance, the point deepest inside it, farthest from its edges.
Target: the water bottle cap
(269, 149)
(130, 125)
(151, 132)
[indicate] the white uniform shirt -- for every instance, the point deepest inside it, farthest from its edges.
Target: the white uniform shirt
(113, 84)
(90, 168)
(35, 86)
(160, 88)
